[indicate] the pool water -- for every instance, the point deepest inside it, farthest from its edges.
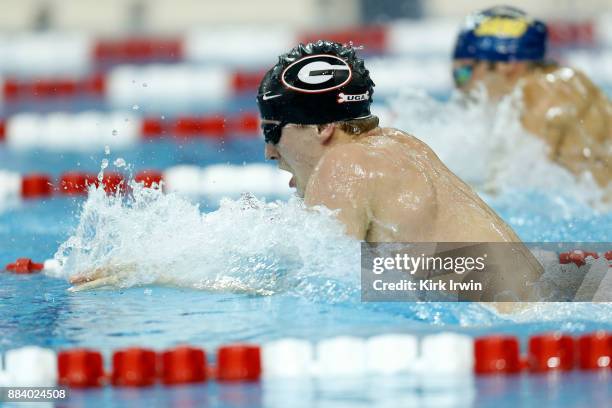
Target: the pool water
(252, 269)
(38, 310)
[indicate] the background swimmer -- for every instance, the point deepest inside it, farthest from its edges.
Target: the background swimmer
(501, 48)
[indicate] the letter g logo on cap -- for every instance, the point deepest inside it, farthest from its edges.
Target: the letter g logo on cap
(316, 73)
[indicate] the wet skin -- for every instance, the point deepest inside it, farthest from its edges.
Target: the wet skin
(388, 186)
(562, 107)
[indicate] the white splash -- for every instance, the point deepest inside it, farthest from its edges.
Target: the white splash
(486, 145)
(246, 245)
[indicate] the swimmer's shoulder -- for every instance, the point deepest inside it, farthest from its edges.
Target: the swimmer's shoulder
(370, 154)
(389, 136)
(560, 85)
(558, 95)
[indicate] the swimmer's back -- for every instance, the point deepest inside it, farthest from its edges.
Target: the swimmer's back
(412, 185)
(574, 117)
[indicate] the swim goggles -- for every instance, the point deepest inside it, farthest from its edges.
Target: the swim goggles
(462, 75)
(272, 131)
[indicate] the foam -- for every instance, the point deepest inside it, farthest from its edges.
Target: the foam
(486, 146)
(247, 245)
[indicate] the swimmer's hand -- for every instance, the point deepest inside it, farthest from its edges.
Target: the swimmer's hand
(108, 275)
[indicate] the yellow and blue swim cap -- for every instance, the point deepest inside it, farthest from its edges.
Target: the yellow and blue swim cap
(502, 33)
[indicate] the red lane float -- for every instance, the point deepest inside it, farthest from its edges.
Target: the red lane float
(551, 352)
(80, 368)
(76, 183)
(152, 128)
(134, 367)
(571, 33)
(138, 50)
(24, 266)
(2, 131)
(244, 124)
(577, 257)
(239, 362)
(50, 88)
(193, 126)
(497, 355)
(183, 365)
(149, 178)
(595, 351)
(246, 81)
(36, 185)
(114, 183)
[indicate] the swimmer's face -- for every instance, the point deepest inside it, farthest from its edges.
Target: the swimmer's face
(298, 152)
(498, 78)
(468, 73)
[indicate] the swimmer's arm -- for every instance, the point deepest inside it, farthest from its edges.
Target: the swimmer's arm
(547, 114)
(103, 276)
(115, 273)
(339, 183)
(556, 112)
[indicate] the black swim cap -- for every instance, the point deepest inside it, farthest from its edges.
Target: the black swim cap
(316, 83)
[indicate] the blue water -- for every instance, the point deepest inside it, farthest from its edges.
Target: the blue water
(38, 310)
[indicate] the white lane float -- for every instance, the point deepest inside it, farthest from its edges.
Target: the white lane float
(72, 132)
(287, 358)
(231, 180)
(176, 86)
(390, 354)
(48, 53)
(30, 366)
(446, 361)
(234, 45)
(343, 356)
(10, 187)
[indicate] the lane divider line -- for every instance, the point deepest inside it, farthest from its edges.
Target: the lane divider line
(336, 357)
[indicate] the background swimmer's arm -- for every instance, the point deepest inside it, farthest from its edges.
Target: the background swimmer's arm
(339, 182)
(571, 115)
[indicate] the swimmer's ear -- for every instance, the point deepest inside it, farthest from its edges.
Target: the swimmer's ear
(325, 132)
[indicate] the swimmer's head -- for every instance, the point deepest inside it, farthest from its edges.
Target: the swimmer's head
(315, 84)
(495, 47)
(316, 93)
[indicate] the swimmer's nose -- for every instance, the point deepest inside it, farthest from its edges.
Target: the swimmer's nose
(271, 152)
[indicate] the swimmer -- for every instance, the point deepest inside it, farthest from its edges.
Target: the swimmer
(502, 49)
(385, 185)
